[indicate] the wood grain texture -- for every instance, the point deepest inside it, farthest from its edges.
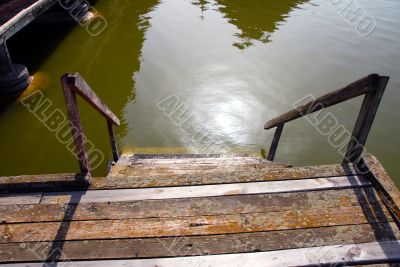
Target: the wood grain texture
(364, 253)
(11, 199)
(198, 245)
(172, 208)
(385, 186)
(124, 176)
(205, 190)
(189, 226)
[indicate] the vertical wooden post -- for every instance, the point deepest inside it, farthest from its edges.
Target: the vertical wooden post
(275, 142)
(111, 134)
(365, 119)
(77, 131)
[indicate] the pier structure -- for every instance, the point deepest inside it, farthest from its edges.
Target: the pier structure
(15, 15)
(206, 210)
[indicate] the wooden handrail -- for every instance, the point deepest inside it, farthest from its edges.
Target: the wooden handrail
(372, 86)
(72, 84)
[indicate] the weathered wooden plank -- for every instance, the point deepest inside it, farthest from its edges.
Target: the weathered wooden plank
(137, 177)
(220, 160)
(385, 186)
(187, 167)
(9, 199)
(41, 183)
(205, 190)
(188, 226)
(198, 245)
(36, 178)
(126, 177)
(375, 252)
(169, 208)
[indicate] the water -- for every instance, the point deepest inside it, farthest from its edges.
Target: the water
(232, 65)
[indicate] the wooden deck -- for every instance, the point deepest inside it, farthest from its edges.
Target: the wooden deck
(202, 210)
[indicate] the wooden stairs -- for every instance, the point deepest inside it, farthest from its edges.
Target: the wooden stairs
(202, 210)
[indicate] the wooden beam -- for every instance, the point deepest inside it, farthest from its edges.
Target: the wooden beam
(365, 253)
(275, 142)
(189, 226)
(173, 208)
(113, 142)
(365, 120)
(76, 127)
(198, 245)
(353, 90)
(205, 190)
(123, 176)
(76, 83)
(384, 185)
(14, 199)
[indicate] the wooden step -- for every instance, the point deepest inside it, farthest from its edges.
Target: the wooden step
(262, 213)
(337, 255)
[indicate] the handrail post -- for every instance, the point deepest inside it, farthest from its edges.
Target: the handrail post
(73, 84)
(77, 131)
(111, 134)
(275, 142)
(365, 119)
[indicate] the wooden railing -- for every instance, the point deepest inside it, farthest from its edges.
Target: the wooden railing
(73, 84)
(372, 86)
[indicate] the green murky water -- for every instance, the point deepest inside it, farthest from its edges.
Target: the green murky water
(204, 76)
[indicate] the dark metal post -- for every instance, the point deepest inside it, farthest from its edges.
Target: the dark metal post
(111, 134)
(275, 142)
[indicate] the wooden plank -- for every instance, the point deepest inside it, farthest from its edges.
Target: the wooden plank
(213, 161)
(189, 226)
(198, 245)
(36, 178)
(355, 89)
(159, 177)
(188, 155)
(365, 253)
(41, 183)
(205, 190)
(141, 178)
(9, 199)
(170, 208)
(385, 186)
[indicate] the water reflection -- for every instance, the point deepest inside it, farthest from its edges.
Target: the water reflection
(152, 50)
(256, 20)
(107, 62)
